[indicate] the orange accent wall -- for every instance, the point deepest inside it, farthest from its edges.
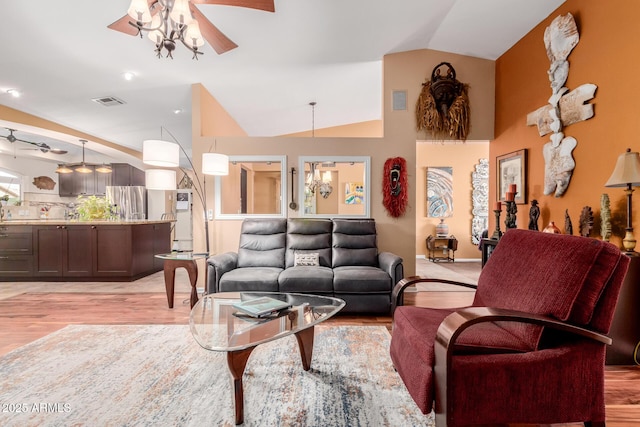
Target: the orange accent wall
(607, 56)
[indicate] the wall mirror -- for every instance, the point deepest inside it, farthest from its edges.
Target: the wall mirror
(255, 187)
(334, 186)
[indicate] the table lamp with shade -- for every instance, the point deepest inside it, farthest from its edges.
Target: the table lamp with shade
(627, 175)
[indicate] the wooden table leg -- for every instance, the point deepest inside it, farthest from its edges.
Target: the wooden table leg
(237, 361)
(192, 269)
(169, 280)
(305, 342)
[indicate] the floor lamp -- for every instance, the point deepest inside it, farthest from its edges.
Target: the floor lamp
(627, 174)
(167, 154)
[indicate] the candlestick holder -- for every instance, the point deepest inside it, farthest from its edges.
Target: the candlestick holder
(510, 218)
(497, 234)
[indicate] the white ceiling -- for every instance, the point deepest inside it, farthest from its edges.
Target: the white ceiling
(60, 55)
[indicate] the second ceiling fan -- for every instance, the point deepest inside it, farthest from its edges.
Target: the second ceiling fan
(45, 148)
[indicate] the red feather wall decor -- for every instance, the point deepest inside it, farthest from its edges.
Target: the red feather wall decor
(395, 186)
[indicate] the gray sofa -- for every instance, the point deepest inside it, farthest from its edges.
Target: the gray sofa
(336, 257)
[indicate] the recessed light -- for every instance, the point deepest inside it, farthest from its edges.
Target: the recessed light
(14, 93)
(177, 111)
(128, 76)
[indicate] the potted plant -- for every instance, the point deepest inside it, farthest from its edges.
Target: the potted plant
(4, 199)
(94, 208)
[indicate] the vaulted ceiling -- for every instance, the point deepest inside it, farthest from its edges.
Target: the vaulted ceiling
(61, 55)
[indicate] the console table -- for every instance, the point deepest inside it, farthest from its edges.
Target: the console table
(441, 248)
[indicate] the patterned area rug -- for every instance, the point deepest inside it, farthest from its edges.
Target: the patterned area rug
(85, 375)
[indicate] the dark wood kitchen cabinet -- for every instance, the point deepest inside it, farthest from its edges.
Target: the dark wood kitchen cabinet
(83, 184)
(88, 252)
(63, 251)
(125, 174)
(16, 251)
(113, 250)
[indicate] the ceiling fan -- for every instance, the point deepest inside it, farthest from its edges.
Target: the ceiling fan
(170, 32)
(45, 148)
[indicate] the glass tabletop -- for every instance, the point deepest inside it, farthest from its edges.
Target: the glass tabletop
(217, 325)
(183, 255)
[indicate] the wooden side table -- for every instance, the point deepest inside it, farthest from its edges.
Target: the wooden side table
(187, 260)
(441, 248)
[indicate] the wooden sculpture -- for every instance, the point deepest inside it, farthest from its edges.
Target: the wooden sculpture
(564, 108)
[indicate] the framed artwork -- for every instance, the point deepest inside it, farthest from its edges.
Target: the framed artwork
(439, 192)
(512, 169)
(354, 193)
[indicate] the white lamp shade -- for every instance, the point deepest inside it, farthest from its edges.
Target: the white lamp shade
(180, 13)
(155, 35)
(215, 164)
(160, 179)
(156, 152)
(193, 36)
(139, 10)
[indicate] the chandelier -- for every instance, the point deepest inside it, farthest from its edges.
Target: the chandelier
(167, 22)
(315, 183)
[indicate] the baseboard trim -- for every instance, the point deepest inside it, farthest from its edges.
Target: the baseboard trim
(457, 259)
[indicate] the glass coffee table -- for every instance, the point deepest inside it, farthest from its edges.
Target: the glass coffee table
(218, 326)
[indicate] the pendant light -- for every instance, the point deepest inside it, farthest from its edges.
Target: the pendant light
(104, 168)
(83, 167)
(64, 169)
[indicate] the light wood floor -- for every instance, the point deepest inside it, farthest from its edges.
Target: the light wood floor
(29, 311)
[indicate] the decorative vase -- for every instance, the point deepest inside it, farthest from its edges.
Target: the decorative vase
(551, 228)
(442, 229)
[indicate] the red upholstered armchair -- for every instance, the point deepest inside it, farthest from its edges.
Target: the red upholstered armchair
(531, 349)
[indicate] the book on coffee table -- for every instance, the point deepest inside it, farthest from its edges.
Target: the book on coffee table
(261, 307)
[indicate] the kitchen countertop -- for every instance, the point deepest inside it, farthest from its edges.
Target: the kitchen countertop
(77, 222)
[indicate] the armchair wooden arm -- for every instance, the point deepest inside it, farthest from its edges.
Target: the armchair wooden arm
(397, 295)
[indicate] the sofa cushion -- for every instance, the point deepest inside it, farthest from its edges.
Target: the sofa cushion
(360, 279)
(308, 236)
(250, 279)
(306, 279)
(354, 243)
(262, 243)
(556, 287)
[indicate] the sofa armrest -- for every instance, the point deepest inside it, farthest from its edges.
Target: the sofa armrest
(392, 264)
(218, 265)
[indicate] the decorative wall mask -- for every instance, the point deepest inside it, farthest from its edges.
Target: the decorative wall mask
(44, 183)
(443, 105)
(564, 108)
(395, 186)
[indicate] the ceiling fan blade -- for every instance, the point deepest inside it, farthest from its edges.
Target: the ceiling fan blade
(123, 24)
(266, 5)
(58, 151)
(212, 34)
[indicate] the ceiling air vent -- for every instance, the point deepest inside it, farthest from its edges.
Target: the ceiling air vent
(108, 101)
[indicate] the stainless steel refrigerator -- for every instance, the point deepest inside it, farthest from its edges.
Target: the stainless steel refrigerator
(130, 202)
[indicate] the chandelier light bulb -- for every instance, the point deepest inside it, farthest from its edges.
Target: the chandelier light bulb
(180, 13)
(139, 10)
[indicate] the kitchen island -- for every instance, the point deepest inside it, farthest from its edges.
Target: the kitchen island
(61, 250)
